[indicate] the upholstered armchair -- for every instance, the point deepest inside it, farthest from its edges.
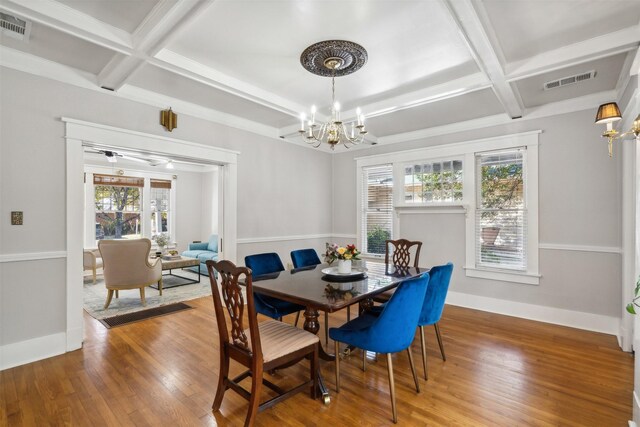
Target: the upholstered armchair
(127, 266)
(91, 260)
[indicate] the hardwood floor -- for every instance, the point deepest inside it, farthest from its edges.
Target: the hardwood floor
(500, 371)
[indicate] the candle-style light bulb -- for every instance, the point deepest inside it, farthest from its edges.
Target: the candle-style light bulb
(358, 114)
(313, 114)
(303, 116)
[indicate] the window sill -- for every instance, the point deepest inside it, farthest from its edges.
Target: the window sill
(449, 208)
(503, 276)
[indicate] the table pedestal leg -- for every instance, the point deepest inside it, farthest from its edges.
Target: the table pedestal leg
(312, 325)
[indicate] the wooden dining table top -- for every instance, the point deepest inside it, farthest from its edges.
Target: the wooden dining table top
(308, 286)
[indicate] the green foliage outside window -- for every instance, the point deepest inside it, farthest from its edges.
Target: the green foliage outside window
(376, 238)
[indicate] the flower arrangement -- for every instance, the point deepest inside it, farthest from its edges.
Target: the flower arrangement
(337, 294)
(335, 252)
(162, 240)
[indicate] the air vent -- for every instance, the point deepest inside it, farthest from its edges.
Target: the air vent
(15, 27)
(570, 80)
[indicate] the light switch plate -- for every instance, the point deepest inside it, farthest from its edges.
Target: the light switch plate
(16, 217)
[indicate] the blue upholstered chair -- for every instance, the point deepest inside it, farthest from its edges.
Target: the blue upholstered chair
(433, 306)
(304, 258)
(261, 265)
(390, 332)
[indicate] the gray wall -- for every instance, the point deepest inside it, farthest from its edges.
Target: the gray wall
(273, 178)
(579, 204)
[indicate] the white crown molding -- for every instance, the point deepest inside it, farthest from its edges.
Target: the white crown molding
(63, 18)
(32, 256)
(580, 248)
(575, 54)
(558, 316)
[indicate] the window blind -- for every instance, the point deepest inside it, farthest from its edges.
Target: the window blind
(377, 208)
(119, 181)
(501, 214)
(160, 183)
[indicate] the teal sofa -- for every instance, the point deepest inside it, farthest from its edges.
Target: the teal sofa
(203, 252)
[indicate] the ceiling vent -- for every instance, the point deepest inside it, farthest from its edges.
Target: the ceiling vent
(15, 27)
(570, 80)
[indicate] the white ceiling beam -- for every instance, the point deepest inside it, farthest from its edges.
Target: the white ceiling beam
(566, 56)
(63, 18)
(475, 29)
(164, 22)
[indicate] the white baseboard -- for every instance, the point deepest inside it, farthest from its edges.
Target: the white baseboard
(575, 319)
(636, 409)
(28, 351)
(74, 338)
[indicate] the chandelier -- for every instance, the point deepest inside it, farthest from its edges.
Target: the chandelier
(609, 113)
(333, 58)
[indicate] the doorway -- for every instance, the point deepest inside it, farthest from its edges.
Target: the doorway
(80, 134)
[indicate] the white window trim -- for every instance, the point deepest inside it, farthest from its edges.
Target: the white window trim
(145, 212)
(467, 150)
(394, 226)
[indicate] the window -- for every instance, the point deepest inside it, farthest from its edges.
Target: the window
(160, 206)
(433, 182)
(118, 201)
(377, 208)
(501, 226)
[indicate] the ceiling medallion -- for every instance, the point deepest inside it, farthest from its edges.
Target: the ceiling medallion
(333, 58)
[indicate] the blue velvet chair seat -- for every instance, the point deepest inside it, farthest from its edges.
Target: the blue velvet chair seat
(263, 265)
(389, 332)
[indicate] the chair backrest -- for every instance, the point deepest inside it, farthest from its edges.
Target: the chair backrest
(304, 258)
(230, 296)
(398, 252)
(125, 262)
(395, 328)
(263, 263)
(436, 294)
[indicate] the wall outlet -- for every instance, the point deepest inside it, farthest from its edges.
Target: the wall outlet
(289, 266)
(16, 217)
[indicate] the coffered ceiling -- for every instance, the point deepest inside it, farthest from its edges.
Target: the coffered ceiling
(433, 64)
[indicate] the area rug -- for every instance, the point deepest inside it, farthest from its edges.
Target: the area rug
(129, 301)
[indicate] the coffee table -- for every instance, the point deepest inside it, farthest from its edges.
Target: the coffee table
(173, 264)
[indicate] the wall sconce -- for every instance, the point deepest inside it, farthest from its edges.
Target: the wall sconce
(609, 113)
(168, 119)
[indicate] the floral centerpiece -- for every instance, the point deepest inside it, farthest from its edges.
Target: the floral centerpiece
(162, 240)
(344, 255)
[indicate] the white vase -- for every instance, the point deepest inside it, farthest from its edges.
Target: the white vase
(344, 266)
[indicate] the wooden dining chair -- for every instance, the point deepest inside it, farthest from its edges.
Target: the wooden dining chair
(263, 346)
(399, 253)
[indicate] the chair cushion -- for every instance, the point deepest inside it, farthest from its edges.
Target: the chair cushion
(98, 262)
(196, 253)
(279, 339)
(213, 243)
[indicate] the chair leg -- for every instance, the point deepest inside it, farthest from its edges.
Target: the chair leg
(314, 372)
(348, 313)
(424, 352)
(435, 325)
(221, 388)
(337, 353)
(254, 402)
(144, 302)
(413, 369)
(392, 388)
(326, 328)
(117, 293)
(94, 275)
(109, 296)
(160, 286)
(364, 360)
(297, 318)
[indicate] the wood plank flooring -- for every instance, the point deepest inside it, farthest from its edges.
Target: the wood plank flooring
(500, 371)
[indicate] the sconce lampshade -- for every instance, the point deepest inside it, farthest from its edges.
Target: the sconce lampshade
(608, 113)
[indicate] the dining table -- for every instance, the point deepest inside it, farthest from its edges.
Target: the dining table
(322, 288)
